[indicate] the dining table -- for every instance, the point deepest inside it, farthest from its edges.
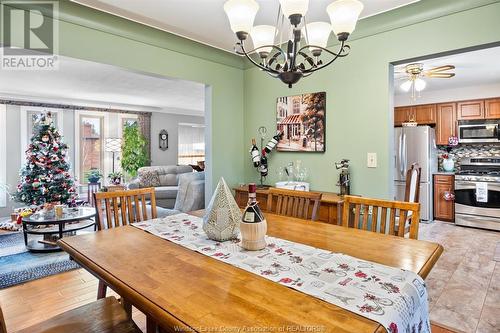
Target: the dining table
(182, 290)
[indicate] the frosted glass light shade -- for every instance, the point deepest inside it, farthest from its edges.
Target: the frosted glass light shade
(263, 35)
(343, 15)
(317, 34)
(406, 86)
(291, 7)
(420, 84)
(241, 14)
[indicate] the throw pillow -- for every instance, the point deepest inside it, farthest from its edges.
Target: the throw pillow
(149, 178)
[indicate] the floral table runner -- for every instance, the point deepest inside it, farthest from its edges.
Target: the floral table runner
(395, 298)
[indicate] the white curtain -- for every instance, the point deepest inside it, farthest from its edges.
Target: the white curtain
(191, 144)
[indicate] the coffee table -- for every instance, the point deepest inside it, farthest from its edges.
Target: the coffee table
(73, 219)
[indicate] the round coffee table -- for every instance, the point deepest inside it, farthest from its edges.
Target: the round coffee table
(54, 228)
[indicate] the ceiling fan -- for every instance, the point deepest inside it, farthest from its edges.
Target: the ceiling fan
(414, 74)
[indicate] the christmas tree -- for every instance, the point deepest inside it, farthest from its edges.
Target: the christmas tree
(45, 177)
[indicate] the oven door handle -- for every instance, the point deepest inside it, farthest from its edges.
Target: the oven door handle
(472, 186)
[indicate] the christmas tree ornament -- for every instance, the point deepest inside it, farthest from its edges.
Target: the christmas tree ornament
(222, 220)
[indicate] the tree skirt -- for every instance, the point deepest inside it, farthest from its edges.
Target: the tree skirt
(17, 265)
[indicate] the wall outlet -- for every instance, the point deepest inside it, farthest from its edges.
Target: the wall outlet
(371, 160)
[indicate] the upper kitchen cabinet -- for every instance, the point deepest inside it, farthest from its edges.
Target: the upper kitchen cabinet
(492, 108)
(469, 110)
(425, 114)
(422, 114)
(446, 115)
(402, 114)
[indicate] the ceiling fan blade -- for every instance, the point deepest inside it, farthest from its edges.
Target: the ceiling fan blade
(440, 75)
(440, 69)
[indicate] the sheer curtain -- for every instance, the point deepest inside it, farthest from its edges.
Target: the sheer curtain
(191, 144)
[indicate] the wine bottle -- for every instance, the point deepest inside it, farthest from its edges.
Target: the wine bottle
(254, 152)
(273, 142)
(263, 169)
(252, 213)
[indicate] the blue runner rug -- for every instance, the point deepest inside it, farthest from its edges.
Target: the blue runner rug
(17, 265)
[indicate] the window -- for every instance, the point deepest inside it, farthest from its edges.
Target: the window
(28, 117)
(91, 140)
(191, 148)
(3, 155)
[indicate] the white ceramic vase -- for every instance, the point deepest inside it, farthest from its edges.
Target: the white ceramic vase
(448, 165)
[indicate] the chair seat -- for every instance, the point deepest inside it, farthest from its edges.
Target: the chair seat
(103, 316)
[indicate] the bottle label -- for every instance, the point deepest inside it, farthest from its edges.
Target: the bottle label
(249, 217)
(255, 155)
(271, 144)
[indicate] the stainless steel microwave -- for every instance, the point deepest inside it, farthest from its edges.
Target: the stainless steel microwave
(477, 131)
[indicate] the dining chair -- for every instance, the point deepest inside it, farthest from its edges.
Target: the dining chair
(119, 208)
(102, 316)
(412, 192)
(294, 203)
(380, 215)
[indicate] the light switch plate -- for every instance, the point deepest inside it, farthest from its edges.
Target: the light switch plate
(371, 160)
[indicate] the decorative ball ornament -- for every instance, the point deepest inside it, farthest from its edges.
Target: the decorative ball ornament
(45, 138)
(222, 220)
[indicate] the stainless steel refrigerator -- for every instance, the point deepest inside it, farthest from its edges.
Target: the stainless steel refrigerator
(415, 145)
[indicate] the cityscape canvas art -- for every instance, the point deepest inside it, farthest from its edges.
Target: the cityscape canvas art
(301, 119)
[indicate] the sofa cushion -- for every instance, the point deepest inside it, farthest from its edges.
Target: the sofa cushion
(169, 179)
(149, 178)
(168, 174)
(166, 192)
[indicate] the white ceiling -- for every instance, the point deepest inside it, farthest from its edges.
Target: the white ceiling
(473, 68)
(79, 82)
(205, 21)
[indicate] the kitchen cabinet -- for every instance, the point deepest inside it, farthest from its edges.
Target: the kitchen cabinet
(402, 114)
(444, 210)
(446, 115)
(425, 114)
(469, 110)
(422, 114)
(492, 108)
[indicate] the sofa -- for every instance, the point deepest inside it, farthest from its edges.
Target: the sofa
(165, 180)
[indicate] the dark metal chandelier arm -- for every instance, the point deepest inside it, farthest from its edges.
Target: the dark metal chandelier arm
(343, 51)
(246, 54)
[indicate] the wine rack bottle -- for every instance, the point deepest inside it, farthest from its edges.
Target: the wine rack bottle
(273, 142)
(254, 152)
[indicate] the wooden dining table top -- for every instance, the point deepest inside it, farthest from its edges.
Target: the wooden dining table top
(181, 288)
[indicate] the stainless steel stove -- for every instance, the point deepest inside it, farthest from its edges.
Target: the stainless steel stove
(477, 193)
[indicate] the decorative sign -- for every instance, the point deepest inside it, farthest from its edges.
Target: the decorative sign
(301, 119)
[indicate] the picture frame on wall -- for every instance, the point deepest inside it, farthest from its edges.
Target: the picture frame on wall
(302, 120)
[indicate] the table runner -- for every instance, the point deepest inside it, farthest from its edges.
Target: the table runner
(393, 297)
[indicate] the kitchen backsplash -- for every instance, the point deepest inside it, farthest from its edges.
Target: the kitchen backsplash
(467, 151)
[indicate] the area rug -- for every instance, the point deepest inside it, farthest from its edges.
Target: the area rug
(17, 265)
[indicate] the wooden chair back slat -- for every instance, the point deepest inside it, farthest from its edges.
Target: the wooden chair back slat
(124, 207)
(367, 216)
(3, 328)
(294, 203)
(374, 219)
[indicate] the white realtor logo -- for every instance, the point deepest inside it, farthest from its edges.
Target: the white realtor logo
(30, 35)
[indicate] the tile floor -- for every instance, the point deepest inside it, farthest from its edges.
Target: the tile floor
(464, 286)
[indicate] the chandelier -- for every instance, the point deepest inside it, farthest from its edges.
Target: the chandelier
(300, 54)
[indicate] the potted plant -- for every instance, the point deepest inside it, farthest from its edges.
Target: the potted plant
(115, 178)
(134, 153)
(94, 175)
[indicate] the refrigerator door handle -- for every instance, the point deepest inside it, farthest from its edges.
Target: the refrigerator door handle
(404, 164)
(400, 155)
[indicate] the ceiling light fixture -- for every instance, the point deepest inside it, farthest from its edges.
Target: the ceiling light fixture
(413, 75)
(300, 56)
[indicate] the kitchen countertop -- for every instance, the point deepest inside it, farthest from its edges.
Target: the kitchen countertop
(444, 173)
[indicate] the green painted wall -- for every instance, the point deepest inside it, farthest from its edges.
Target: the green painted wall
(359, 98)
(91, 35)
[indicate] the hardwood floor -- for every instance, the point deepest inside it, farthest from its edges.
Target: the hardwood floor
(27, 304)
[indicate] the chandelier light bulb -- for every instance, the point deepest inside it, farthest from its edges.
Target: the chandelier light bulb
(406, 86)
(420, 84)
(294, 7)
(241, 14)
(317, 34)
(343, 16)
(263, 35)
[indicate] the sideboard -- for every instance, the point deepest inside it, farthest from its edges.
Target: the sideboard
(330, 210)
